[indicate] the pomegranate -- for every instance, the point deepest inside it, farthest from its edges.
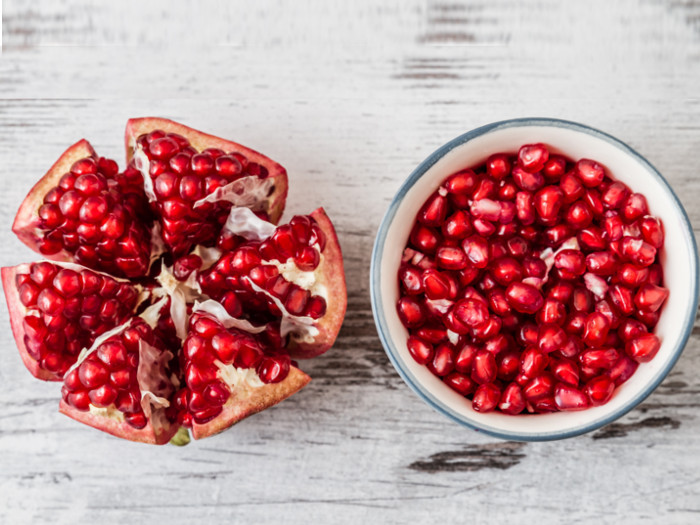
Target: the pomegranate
(171, 299)
(532, 282)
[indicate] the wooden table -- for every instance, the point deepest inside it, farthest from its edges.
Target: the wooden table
(349, 98)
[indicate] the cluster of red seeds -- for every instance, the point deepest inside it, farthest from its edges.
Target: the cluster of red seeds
(87, 216)
(296, 240)
(55, 298)
(510, 315)
(208, 341)
(107, 377)
(181, 176)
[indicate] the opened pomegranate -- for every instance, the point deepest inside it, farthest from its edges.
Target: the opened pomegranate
(169, 300)
(532, 283)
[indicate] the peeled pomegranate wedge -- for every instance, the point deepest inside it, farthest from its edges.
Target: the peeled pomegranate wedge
(123, 385)
(231, 372)
(57, 309)
(293, 273)
(77, 213)
(192, 180)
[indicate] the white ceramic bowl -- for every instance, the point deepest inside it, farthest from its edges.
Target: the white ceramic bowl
(679, 260)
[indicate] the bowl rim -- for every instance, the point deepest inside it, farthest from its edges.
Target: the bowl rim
(378, 308)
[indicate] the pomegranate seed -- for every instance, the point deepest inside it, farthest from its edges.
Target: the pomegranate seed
(622, 370)
(462, 183)
(570, 398)
(485, 189)
(512, 399)
(548, 202)
(621, 297)
(270, 369)
(572, 187)
(498, 166)
(596, 329)
(570, 263)
(602, 358)
(434, 211)
(601, 263)
(525, 207)
(538, 388)
(410, 279)
(471, 312)
(551, 337)
(652, 231)
(527, 181)
(421, 351)
(410, 312)
(552, 311)
(643, 348)
(477, 251)
(554, 168)
(615, 195)
(533, 157)
(649, 298)
(599, 390)
(565, 371)
(630, 329)
(451, 258)
(443, 360)
(486, 398)
(424, 239)
(532, 362)
(488, 328)
(591, 239)
(460, 383)
(464, 358)
(634, 208)
(524, 298)
(590, 172)
(484, 367)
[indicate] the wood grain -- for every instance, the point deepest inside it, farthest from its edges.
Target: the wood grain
(349, 98)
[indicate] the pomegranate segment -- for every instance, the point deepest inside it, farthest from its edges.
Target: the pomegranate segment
(542, 273)
(57, 309)
(195, 207)
(193, 180)
(123, 385)
(78, 212)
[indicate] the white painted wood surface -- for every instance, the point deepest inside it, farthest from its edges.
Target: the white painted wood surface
(349, 96)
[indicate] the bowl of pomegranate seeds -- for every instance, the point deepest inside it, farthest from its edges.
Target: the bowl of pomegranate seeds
(534, 279)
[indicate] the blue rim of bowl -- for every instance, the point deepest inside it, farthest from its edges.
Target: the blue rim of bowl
(378, 307)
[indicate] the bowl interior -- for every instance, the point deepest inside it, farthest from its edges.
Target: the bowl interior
(678, 259)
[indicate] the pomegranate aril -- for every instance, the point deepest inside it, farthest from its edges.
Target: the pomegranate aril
(486, 397)
(548, 202)
(570, 398)
(649, 297)
(622, 370)
(512, 399)
(443, 360)
(477, 251)
(424, 239)
(483, 367)
(635, 207)
(590, 172)
(601, 263)
(434, 211)
(599, 390)
(421, 351)
(533, 157)
(615, 195)
(533, 362)
(565, 371)
(652, 231)
(643, 348)
(554, 168)
(538, 388)
(600, 358)
(570, 263)
(273, 369)
(460, 383)
(524, 298)
(498, 166)
(551, 337)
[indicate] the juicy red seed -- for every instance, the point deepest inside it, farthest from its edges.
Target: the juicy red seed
(411, 280)
(525, 208)
(506, 270)
(565, 371)
(591, 239)
(484, 367)
(555, 167)
(533, 362)
(602, 358)
(443, 360)
(138, 420)
(635, 207)
(527, 181)
(652, 231)
(421, 351)
(524, 298)
(533, 157)
(538, 388)
(410, 312)
(457, 226)
(579, 215)
(548, 202)
(460, 383)
(498, 166)
(228, 166)
(649, 297)
(425, 239)
(570, 398)
(599, 390)
(643, 348)
(486, 398)
(434, 211)
(590, 172)
(615, 195)
(461, 183)
(273, 369)
(550, 338)
(163, 148)
(596, 329)
(512, 399)
(571, 263)
(451, 258)
(477, 251)
(92, 373)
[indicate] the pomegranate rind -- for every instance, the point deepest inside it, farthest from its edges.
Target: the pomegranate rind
(136, 127)
(246, 400)
(120, 429)
(27, 218)
(331, 274)
(14, 306)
